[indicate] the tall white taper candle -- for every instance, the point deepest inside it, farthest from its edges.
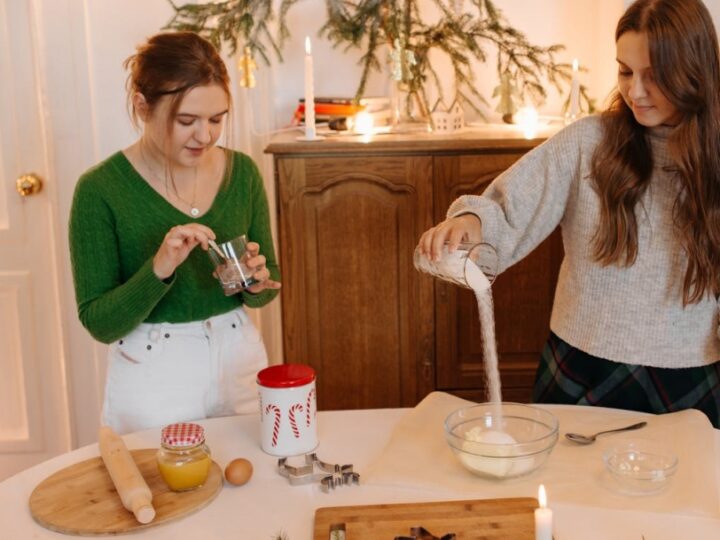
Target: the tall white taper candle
(543, 517)
(309, 93)
(575, 91)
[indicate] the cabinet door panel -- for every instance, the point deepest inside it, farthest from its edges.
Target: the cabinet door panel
(522, 296)
(348, 228)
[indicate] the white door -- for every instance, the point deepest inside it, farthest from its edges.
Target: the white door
(34, 420)
(62, 109)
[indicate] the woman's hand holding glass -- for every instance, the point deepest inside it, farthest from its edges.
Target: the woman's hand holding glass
(260, 273)
(463, 228)
(177, 245)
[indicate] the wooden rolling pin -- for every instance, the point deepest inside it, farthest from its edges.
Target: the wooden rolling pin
(129, 483)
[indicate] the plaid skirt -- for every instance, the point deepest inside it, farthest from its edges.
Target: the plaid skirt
(568, 375)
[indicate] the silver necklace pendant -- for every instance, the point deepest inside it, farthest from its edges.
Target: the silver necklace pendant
(194, 212)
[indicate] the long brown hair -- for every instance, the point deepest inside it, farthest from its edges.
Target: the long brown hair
(170, 64)
(686, 67)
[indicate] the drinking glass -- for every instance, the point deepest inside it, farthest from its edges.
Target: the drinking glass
(472, 265)
(230, 262)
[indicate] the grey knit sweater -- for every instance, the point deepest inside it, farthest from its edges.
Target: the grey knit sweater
(630, 314)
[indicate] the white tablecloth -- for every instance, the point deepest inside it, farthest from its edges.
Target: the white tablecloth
(418, 454)
(268, 504)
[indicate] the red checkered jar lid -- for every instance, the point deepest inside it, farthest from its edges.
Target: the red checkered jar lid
(182, 435)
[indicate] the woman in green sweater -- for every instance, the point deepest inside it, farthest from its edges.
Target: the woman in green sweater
(180, 349)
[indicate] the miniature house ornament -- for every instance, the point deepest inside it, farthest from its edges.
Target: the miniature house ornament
(447, 120)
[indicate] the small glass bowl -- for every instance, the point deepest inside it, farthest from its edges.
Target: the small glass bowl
(640, 467)
(501, 441)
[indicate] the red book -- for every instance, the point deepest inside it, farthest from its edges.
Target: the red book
(328, 109)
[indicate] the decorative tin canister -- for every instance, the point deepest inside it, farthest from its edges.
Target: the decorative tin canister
(288, 409)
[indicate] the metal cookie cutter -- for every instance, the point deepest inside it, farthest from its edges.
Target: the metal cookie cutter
(421, 533)
(343, 478)
(329, 475)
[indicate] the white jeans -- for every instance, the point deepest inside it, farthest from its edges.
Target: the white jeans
(165, 373)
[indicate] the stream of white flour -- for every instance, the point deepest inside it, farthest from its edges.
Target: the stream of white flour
(490, 355)
(483, 293)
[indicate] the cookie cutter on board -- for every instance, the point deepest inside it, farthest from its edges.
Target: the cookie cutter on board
(421, 533)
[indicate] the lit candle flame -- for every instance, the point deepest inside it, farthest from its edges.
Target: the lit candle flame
(308, 49)
(363, 123)
(576, 65)
(542, 496)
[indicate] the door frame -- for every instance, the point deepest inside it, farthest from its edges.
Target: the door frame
(64, 64)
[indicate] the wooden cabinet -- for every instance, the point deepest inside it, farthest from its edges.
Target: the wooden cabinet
(348, 227)
(379, 333)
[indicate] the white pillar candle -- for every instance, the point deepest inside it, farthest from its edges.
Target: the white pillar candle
(309, 93)
(543, 517)
(575, 91)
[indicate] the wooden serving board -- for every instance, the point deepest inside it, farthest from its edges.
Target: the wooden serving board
(81, 499)
(491, 519)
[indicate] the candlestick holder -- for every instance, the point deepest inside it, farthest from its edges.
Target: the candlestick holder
(573, 111)
(409, 113)
(313, 137)
(569, 117)
(310, 136)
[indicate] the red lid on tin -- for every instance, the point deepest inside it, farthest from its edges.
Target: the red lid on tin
(286, 376)
(182, 435)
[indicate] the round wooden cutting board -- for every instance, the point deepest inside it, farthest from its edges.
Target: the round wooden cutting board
(81, 499)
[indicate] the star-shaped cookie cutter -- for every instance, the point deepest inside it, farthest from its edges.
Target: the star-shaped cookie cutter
(328, 475)
(421, 533)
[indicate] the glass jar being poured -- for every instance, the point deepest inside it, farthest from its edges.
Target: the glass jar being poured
(472, 265)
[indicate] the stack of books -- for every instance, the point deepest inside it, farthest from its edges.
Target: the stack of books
(333, 108)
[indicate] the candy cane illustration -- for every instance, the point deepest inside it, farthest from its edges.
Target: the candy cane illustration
(293, 422)
(276, 425)
(311, 394)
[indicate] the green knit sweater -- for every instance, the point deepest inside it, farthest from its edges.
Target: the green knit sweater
(117, 223)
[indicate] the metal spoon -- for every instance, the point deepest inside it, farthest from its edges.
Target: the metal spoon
(589, 439)
(216, 248)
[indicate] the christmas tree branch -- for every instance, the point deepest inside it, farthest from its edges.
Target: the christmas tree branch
(232, 21)
(377, 27)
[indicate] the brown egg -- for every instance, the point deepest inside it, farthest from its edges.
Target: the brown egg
(238, 471)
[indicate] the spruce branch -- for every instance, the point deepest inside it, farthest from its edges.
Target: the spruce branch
(373, 25)
(235, 23)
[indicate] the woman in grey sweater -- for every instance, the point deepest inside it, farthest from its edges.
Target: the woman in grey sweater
(636, 192)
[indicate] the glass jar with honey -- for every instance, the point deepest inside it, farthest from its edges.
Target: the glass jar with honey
(183, 458)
